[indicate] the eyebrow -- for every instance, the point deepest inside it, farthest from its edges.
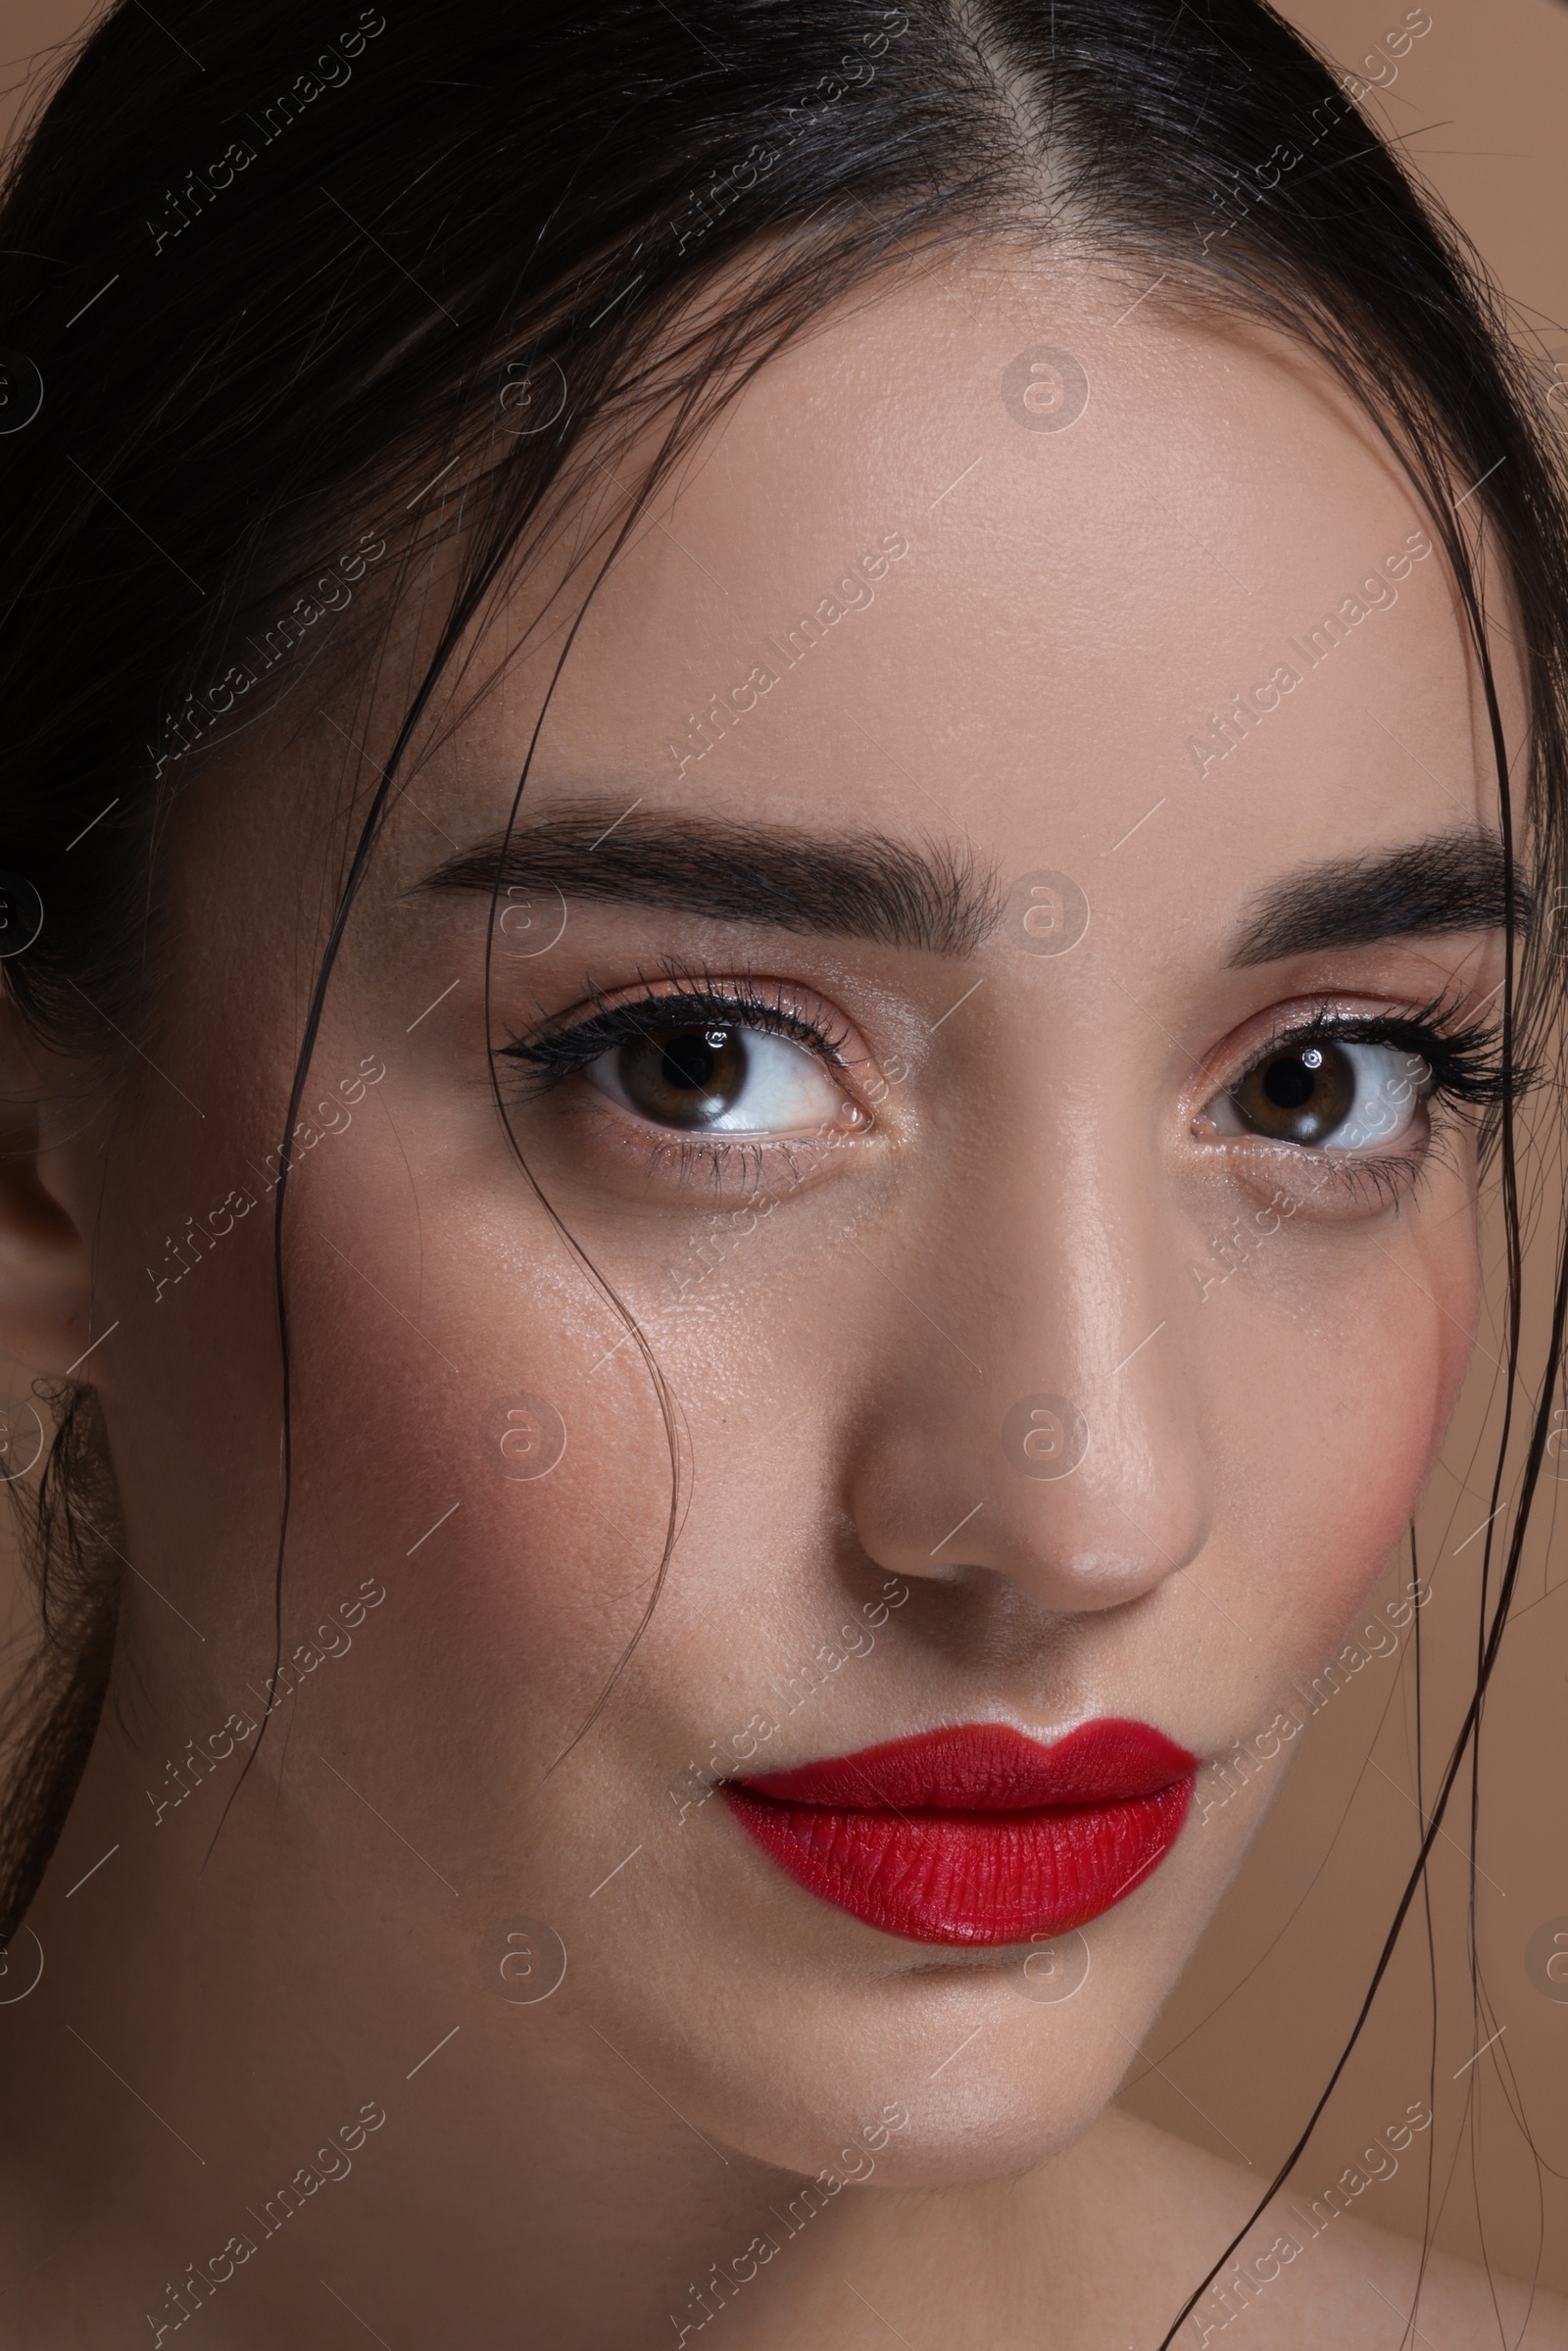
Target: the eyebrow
(868, 885)
(1448, 882)
(862, 885)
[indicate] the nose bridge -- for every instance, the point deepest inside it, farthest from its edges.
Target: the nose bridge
(1098, 1295)
(1075, 1430)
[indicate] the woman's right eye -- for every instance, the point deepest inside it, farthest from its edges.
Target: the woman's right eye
(701, 1076)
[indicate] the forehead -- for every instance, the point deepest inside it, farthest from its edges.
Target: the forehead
(993, 551)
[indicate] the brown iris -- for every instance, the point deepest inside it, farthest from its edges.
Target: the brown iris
(1298, 1095)
(683, 1077)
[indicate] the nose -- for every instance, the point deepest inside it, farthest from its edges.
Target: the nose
(1038, 1415)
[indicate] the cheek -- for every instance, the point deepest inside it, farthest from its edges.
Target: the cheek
(437, 1362)
(1334, 1417)
(507, 1455)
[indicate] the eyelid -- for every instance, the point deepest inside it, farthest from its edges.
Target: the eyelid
(1299, 1019)
(1468, 1076)
(569, 1042)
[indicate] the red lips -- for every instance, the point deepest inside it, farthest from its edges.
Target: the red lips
(976, 1835)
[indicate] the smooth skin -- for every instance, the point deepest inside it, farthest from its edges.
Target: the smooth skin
(1001, 1188)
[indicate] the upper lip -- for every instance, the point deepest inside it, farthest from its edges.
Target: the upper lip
(988, 1767)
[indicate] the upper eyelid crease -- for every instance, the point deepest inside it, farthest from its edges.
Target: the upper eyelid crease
(700, 992)
(1437, 1018)
(1464, 1060)
(562, 1046)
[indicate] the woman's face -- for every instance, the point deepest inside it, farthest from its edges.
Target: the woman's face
(981, 822)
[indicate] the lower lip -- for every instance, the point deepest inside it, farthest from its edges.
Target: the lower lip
(976, 1835)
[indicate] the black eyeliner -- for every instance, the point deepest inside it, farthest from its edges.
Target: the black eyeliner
(557, 1051)
(1465, 1062)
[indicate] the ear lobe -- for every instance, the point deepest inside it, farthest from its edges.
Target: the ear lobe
(45, 1264)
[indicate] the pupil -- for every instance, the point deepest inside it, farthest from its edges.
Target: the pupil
(1288, 1081)
(689, 1060)
(1301, 1096)
(684, 1077)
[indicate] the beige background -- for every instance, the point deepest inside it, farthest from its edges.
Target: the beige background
(1239, 2057)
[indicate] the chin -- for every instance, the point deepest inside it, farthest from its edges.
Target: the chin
(988, 2083)
(995, 2128)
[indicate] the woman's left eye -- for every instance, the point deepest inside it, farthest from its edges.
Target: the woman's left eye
(1326, 1091)
(698, 1076)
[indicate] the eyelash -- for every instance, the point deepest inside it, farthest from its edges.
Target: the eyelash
(1468, 1078)
(1465, 1062)
(1467, 1072)
(551, 1057)
(554, 1054)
